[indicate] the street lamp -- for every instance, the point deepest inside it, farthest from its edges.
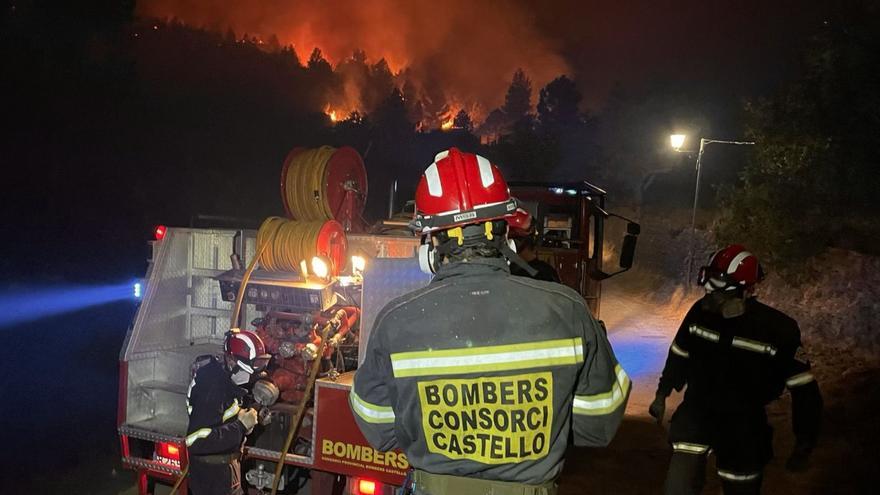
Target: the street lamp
(677, 141)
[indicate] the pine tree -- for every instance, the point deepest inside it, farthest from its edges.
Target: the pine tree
(518, 101)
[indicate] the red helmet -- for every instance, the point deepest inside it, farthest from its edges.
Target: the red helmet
(247, 349)
(459, 189)
(520, 223)
(731, 268)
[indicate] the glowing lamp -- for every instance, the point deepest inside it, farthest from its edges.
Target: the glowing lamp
(160, 232)
(677, 141)
(168, 451)
(358, 264)
(320, 267)
(138, 290)
(366, 487)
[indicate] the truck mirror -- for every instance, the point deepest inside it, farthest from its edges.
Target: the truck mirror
(628, 251)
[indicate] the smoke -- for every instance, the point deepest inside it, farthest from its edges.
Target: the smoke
(470, 49)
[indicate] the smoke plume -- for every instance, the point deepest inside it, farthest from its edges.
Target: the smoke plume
(470, 49)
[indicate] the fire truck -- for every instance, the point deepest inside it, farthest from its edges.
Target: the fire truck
(315, 316)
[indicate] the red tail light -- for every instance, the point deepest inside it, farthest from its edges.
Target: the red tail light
(168, 452)
(160, 232)
(366, 487)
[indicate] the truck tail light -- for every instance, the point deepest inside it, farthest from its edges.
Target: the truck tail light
(366, 487)
(167, 451)
(160, 232)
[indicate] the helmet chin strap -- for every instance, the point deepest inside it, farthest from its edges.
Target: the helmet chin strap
(514, 258)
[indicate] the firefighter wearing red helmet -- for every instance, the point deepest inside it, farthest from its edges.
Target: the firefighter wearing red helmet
(734, 355)
(218, 424)
(481, 376)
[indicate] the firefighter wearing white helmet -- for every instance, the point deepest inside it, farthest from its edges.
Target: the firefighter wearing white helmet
(218, 424)
(481, 376)
(734, 355)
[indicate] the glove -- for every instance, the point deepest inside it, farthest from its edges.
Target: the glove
(657, 409)
(799, 459)
(248, 418)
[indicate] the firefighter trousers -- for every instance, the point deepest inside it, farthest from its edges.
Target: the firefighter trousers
(211, 478)
(437, 484)
(687, 476)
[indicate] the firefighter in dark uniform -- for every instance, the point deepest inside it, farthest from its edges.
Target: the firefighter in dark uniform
(735, 355)
(480, 377)
(218, 424)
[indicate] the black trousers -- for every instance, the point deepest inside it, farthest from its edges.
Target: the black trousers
(687, 476)
(215, 479)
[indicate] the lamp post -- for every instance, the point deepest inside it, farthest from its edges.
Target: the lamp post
(677, 141)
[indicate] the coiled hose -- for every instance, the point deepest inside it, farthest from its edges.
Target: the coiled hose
(285, 243)
(304, 189)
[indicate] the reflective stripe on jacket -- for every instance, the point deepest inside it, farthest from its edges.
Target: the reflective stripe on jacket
(484, 374)
(740, 364)
(213, 402)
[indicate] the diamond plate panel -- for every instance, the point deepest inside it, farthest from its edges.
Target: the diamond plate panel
(385, 279)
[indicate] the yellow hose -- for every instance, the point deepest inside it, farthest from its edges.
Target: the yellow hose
(283, 243)
(233, 322)
(294, 425)
(304, 185)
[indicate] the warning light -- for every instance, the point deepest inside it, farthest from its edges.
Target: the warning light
(160, 232)
(366, 487)
(138, 290)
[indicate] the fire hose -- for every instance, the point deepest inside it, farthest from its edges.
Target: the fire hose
(284, 244)
(313, 375)
(304, 185)
(236, 311)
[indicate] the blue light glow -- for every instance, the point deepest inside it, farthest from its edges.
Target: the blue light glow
(27, 303)
(138, 290)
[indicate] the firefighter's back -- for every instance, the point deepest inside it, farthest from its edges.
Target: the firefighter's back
(491, 360)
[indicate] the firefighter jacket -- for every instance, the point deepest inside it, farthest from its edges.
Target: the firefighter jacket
(213, 402)
(734, 367)
(484, 374)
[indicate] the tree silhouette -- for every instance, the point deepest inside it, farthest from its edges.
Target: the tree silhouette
(558, 105)
(518, 101)
(463, 121)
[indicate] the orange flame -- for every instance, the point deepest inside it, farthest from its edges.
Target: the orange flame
(331, 113)
(447, 124)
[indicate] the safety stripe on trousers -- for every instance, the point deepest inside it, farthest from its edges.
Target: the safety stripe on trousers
(731, 476)
(799, 379)
(371, 413)
(200, 433)
(753, 345)
(231, 410)
(604, 403)
(508, 357)
(679, 351)
(690, 448)
(710, 335)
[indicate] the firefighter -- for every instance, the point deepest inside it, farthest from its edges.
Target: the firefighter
(480, 376)
(218, 424)
(735, 355)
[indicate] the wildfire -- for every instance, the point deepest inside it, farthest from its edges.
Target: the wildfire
(331, 113)
(447, 124)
